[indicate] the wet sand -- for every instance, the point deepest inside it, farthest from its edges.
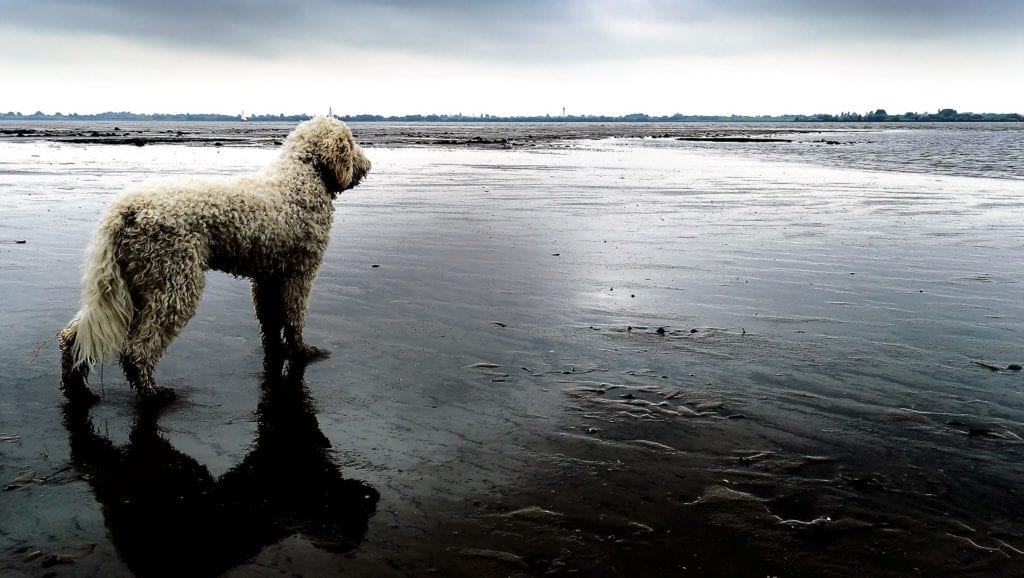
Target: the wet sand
(607, 359)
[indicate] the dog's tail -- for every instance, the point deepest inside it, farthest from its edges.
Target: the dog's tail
(98, 330)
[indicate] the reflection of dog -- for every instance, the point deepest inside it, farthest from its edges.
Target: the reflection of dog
(168, 516)
(144, 273)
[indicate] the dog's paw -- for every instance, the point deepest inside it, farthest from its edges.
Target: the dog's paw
(81, 396)
(312, 353)
(156, 396)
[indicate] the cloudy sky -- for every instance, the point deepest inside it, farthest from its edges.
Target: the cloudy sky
(511, 57)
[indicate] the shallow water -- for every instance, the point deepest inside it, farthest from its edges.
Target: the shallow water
(582, 355)
(993, 150)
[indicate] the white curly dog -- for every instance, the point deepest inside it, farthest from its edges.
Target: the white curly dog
(145, 269)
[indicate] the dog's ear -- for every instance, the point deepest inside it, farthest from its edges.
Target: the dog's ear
(327, 173)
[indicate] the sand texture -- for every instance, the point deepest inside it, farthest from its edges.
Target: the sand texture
(586, 357)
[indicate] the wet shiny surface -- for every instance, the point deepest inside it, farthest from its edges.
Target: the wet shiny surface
(605, 356)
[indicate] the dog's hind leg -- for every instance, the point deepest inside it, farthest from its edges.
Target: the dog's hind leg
(166, 305)
(138, 369)
(295, 300)
(73, 377)
(144, 347)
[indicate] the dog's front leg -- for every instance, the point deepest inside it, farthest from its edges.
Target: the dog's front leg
(267, 298)
(295, 299)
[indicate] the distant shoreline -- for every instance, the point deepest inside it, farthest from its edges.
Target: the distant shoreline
(944, 115)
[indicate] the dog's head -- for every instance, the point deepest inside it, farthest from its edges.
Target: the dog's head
(327, 145)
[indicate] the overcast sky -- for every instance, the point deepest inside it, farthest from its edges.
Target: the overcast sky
(511, 57)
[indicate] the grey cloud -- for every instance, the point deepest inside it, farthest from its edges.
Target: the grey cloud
(504, 30)
(266, 26)
(868, 18)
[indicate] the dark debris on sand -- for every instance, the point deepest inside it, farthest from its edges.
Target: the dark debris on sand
(470, 135)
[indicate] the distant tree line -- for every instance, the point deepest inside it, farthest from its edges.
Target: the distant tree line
(880, 115)
(943, 115)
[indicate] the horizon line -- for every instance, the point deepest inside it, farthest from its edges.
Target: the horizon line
(877, 114)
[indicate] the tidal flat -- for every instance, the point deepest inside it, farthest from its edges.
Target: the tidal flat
(596, 352)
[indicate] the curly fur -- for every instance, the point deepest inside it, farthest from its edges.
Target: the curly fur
(145, 269)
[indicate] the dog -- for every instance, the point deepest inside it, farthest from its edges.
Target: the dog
(145, 268)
